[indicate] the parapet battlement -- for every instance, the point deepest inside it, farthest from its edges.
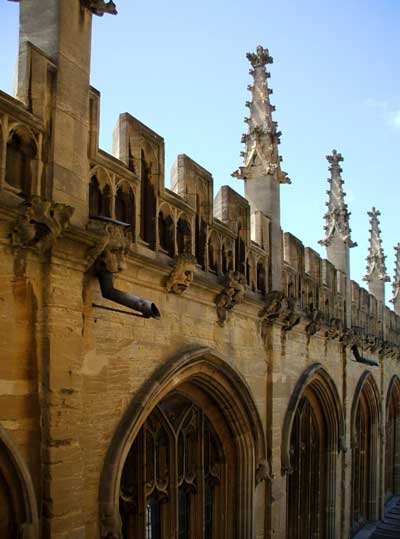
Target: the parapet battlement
(226, 237)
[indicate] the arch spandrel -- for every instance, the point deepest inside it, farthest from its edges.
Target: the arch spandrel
(327, 394)
(20, 486)
(211, 374)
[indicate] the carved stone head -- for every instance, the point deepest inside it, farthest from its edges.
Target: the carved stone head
(182, 275)
(110, 252)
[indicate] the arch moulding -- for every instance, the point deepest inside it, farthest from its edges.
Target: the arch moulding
(24, 490)
(368, 384)
(211, 372)
(328, 395)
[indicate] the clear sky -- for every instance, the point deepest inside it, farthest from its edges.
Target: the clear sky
(180, 68)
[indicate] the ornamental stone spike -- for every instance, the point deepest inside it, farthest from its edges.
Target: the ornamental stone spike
(261, 168)
(396, 281)
(263, 136)
(376, 269)
(337, 230)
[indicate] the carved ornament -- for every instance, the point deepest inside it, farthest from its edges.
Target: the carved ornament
(348, 338)
(231, 295)
(280, 308)
(314, 317)
(259, 58)
(263, 472)
(99, 7)
(110, 251)
(181, 276)
(334, 329)
(376, 268)
(39, 224)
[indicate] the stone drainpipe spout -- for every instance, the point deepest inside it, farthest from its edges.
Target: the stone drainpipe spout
(147, 308)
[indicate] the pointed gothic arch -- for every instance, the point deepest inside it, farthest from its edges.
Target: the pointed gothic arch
(365, 427)
(18, 509)
(392, 439)
(206, 379)
(313, 434)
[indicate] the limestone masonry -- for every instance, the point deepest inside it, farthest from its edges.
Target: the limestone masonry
(174, 365)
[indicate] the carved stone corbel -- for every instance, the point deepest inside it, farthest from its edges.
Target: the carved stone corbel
(110, 251)
(314, 317)
(231, 295)
(349, 338)
(39, 224)
(334, 329)
(263, 472)
(282, 309)
(370, 343)
(181, 276)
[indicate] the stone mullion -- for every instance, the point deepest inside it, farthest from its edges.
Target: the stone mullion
(62, 384)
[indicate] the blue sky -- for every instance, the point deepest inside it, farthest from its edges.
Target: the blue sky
(181, 69)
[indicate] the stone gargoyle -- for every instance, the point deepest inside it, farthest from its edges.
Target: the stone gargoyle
(335, 329)
(281, 309)
(231, 295)
(181, 276)
(110, 251)
(39, 224)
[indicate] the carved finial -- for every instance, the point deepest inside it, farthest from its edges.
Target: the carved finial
(99, 7)
(376, 268)
(262, 137)
(396, 280)
(260, 58)
(337, 216)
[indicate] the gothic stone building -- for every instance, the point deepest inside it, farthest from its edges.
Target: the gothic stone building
(255, 394)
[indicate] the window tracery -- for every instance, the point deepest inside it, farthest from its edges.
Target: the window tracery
(307, 483)
(174, 475)
(125, 206)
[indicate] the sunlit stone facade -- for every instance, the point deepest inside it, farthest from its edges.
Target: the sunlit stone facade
(256, 395)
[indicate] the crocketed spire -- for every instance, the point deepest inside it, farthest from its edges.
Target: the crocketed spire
(376, 268)
(262, 137)
(396, 280)
(337, 215)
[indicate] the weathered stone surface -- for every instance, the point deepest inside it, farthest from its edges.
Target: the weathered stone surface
(78, 377)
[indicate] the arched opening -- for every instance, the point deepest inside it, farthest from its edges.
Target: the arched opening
(184, 236)
(201, 220)
(392, 440)
(125, 206)
(185, 465)
(20, 156)
(174, 477)
(100, 196)
(365, 420)
(18, 513)
(213, 253)
(312, 437)
(148, 195)
(166, 231)
(240, 251)
(261, 277)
